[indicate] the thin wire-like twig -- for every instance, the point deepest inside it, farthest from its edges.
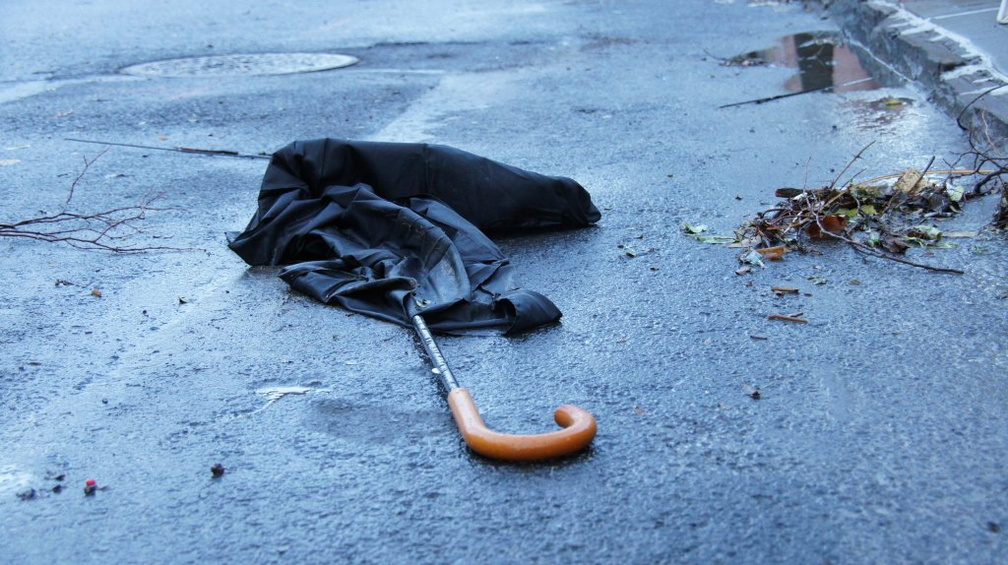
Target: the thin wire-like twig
(80, 175)
(833, 184)
(105, 230)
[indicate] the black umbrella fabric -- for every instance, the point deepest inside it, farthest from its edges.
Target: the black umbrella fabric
(391, 230)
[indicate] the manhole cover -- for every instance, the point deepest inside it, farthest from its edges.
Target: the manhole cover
(243, 65)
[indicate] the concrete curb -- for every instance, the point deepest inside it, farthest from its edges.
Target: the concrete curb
(957, 76)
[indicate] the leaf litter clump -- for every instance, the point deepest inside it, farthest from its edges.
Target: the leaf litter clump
(884, 217)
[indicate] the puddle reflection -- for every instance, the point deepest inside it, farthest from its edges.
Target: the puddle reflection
(823, 62)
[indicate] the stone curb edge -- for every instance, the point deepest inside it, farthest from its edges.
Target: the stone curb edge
(956, 76)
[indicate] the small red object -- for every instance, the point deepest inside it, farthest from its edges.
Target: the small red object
(91, 482)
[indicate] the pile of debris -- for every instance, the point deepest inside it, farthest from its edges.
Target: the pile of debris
(893, 216)
(884, 216)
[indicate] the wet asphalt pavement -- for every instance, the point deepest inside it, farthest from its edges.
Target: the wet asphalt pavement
(880, 430)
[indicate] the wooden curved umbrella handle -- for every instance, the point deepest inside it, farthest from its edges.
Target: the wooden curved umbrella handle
(578, 425)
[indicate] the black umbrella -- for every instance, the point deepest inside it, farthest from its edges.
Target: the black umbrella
(393, 231)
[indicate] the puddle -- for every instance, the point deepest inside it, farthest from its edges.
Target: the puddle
(822, 60)
(880, 113)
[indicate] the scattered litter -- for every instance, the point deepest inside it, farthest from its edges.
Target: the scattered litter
(751, 257)
(273, 394)
(90, 486)
(217, 470)
(785, 290)
(9, 162)
(787, 318)
(96, 292)
(276, 393)
(13, 480)
(697, 232)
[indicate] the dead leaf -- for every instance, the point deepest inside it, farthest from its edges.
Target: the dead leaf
(909, 182)
(895, 245)
(96, 292)
(834, 224)
(925, 232)
(697, 233)
(773, 253)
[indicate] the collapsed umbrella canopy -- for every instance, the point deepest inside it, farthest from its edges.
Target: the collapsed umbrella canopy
(392, 230)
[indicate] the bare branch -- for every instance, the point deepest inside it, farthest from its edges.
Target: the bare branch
(106, 230)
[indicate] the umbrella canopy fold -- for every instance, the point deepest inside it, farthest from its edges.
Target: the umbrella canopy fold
(395, 229)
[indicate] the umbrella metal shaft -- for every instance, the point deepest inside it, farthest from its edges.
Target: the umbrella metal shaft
(441, 367)
(578, 425)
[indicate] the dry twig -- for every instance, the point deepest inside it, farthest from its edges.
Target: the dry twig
(106, 230)
(784, 318)
(986, 153)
